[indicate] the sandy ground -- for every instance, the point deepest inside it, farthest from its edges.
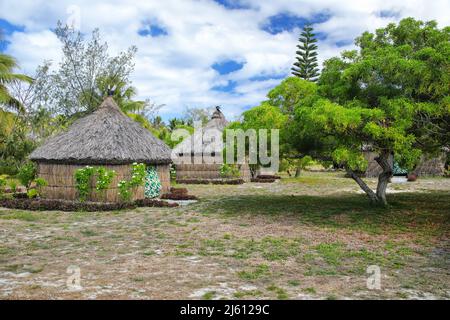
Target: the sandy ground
(230, 245)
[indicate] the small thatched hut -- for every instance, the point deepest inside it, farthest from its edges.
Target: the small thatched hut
(199, 156)
(427, 166)
(108, 138)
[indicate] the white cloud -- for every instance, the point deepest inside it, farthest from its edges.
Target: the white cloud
(175, 69)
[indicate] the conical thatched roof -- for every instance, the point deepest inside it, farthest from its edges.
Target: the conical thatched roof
(106, 136)
(217, 121)
(203, 139)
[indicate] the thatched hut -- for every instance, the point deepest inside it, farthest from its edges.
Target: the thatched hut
(427, 166)
(108, 138)
(199, 156)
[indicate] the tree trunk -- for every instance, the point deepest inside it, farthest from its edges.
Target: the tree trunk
(369, 192)
(385, 160)
(297, 172)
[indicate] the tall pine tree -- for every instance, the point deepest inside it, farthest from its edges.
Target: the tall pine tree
(306, 65)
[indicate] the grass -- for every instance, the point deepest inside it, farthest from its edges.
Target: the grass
(280, 292)
(260, 271)
(420, 213)
(247, 293)
(20, 215)
(209, 295)
(270, 248)
(301, 235)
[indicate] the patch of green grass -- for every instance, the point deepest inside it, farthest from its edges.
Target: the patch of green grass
(247, 293)
(18, 268)
(227, 236)
(35, 244)
(270, 248)
(88, 233)
(137, 279)
(5, 250)
(183, 253)
(209, 295)
(280, 292)
(294, 283)
(20, 215)
(310, 290)
(259, 272)
(332, 253)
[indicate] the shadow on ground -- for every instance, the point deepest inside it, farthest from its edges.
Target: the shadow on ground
(419, 212)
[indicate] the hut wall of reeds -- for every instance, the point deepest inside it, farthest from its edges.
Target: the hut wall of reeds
(107, 138)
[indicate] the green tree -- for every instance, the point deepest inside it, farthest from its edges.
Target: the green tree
(392, 96)
(14, 143)
(291, 96)
(8, 76)
(86, 72)
(306, 65)
(264, 116)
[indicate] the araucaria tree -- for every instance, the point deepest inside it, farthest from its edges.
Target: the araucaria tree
(392, 96)
(306, 65)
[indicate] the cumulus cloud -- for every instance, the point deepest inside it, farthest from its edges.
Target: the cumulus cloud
(180, 41)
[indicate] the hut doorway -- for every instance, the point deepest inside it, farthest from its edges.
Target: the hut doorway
(153, 185)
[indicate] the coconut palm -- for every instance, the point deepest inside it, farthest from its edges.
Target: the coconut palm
(7, 76)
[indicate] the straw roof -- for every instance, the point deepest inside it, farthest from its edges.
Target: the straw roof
(106, 136)
(209, 137)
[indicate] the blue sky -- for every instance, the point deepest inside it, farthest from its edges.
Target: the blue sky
(202, 53)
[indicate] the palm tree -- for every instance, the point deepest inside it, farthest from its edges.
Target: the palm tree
(7, 76)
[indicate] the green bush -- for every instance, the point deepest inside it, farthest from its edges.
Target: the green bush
(137, 179)
(32, 193)
(229, 171)
(104, 179)
(26, 174)
(2, 184)
(13, 185)
(83, 182)
(124, 190)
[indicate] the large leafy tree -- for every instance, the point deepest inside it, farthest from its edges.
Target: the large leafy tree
(305, 66)
(290, 95)
(392, 96)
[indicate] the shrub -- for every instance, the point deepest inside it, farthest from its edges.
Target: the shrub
(137, 175)
(40, 182)
(13, 185)
(26, 174)
(104, 179)
(32, 193)
(2, 184)
(124, 190)
(137, 179)
(83, 182)
(229, 171)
